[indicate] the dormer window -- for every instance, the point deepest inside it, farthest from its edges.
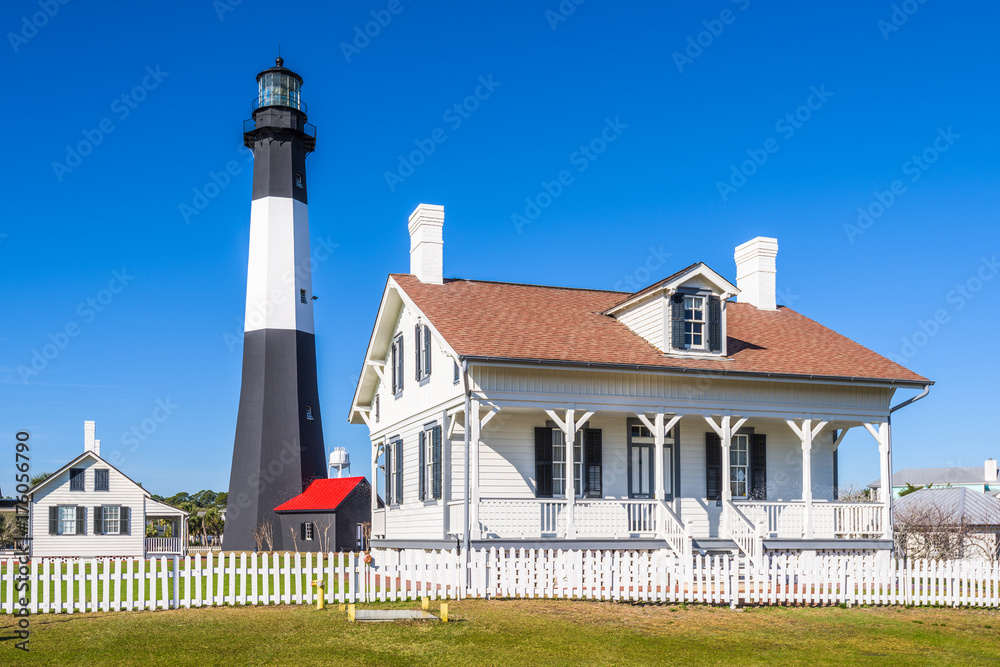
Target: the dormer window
(694, 322)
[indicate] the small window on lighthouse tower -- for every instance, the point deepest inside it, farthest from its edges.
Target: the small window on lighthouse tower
(302, 296)
(309, 413)
(298, 180)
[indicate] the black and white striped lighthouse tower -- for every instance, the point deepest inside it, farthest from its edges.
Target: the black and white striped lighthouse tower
(279, 433)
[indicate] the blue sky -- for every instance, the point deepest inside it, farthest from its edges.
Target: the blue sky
(158, 347)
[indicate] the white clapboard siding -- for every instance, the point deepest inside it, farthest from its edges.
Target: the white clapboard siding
(646, 318)
(69, 586)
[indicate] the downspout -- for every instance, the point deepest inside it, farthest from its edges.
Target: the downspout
(468, 476)
(927, 390)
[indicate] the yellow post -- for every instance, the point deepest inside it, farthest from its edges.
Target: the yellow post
(444, 612)
(318, 584)
(342, 607)
(350, 612)
(425, 603)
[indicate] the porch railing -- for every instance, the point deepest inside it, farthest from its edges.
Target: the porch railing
(747, 533)
(676, 533)
(592, 517)
(786, 519)
(164, 545)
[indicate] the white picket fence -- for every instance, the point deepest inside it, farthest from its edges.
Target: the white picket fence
(74, 586)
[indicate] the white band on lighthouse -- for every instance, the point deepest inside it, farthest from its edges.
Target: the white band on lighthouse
(280, 267)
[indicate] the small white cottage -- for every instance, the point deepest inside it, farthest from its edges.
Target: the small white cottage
(88, 508)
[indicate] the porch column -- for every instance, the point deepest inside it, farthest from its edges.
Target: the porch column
(569, 426)
(806, 433)
(881, 433)
(474, 426)
(659, 430)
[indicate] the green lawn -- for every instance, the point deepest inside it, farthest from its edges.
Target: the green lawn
(516, 632)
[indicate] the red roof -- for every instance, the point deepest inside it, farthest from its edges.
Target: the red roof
(323, 495)
(559, 324)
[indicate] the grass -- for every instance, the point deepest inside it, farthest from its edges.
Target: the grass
(516, 632)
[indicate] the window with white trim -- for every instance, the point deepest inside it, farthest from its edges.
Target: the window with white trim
(67, 519)
(694, 322)
(739, 465)
(422, 351)
(307, 531)
(110, 519)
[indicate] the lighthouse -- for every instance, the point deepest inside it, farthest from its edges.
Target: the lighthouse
(278, 448)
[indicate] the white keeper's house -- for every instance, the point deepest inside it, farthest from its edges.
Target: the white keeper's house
(90, 509)
(694, 414)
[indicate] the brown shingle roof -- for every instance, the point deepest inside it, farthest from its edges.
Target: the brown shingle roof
(559, 324)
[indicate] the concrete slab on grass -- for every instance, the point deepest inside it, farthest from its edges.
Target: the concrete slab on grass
(393, 615)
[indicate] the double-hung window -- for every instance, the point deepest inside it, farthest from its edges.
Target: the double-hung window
(559, 463)
(430, 462)
(111, 516)
(67, 520)
(739, 465)
(694, 322)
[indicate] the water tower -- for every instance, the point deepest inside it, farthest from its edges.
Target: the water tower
(339, 459)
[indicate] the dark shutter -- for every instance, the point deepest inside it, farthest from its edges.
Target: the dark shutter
(713, 466)
(758, 466)
(427, 350)
(388, 474)
(398, 496)
(592, 456)
(420, 353)
(76, 477)
(395, 381)
(100, 480)
(98, 517)
(677, 321)
(399, 360)
(714, 324)
(436, 462)
(124, 520)
(81, 520)
(422, 476)
(302, 531)
(543, 462)
(53, 521)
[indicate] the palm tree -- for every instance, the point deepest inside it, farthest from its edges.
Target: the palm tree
(39, 478)
(212, 522)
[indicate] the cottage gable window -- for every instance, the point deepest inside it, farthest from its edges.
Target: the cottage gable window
(101, 479)
(76, 478)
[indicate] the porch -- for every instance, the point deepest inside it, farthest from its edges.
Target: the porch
(166, 530)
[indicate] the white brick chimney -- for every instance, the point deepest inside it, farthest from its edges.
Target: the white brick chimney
(755, 272)
(89, 429)
(427, 243)
(991, 470)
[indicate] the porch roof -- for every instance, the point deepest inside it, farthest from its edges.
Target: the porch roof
(156, 508)
(516, 322)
